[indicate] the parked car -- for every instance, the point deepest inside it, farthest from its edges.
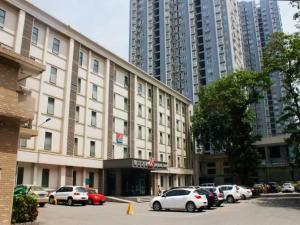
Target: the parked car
(208, 185)
(69, 195)
(288, 187)
(210, 195)
(218, 192)
(39, 192)
(94, 197)
(245, 192)
(273, 187)
(187, 198)
(231, 193)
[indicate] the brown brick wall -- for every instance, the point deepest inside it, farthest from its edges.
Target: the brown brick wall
(8, 74)
(9, 133)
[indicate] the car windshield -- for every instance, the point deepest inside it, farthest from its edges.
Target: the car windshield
(80, 189)
(36, 188)
(91, 191)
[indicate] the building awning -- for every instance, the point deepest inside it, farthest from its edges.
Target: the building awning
(132, 164)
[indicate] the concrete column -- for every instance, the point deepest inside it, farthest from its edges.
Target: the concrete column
(19, 31)
(106, 110)
(83, 176)
(132, 115)
(118, 182)
(62, 178)
(35, 174)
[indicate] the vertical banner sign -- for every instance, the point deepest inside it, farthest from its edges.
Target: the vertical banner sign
(119, 138)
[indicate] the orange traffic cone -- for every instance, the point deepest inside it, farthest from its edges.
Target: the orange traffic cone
(130, 209)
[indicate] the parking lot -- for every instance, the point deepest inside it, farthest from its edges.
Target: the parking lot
(262, 211)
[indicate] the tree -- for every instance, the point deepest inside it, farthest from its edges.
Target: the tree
(223, 118)
(282, 54)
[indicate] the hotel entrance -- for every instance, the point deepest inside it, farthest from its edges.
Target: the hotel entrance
(128, 177)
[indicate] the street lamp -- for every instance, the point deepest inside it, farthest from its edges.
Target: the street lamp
(47, 120)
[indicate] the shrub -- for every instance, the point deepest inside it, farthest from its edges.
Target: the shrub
(24, 208)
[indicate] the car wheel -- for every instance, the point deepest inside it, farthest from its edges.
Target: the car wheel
(83, 204)
(90, 201)
(190, 207)
(243, 197)
(230, 199)
(70, 201)
(101, 203)
(51, 200)
(156, 206)
(42, 204)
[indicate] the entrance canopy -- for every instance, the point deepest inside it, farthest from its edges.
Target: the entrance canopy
(133, 164)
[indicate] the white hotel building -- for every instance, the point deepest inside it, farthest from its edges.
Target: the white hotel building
(92, 97)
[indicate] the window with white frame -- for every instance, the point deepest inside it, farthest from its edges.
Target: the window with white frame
(92, 149)
(77, 113)
(140, 110)
(169, 139)
(126, 81)
(93, 119)
(125, 128)
(149, 114)
(48, 141)
(50, 106)
(161, 157)
(140, 132)
(35, 35)
(53, 75)
(55, 46)
(149, 93)
(81, 58)
(78, 85)
(23, 143)
(75, 146)
(149, 134)
(95, 66)
(94, 93)
(125, 152)
(161, 138)
(161, 121)
(2, 17)
(140, 89)
(125, 104)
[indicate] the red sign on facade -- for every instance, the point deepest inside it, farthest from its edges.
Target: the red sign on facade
(119, 138)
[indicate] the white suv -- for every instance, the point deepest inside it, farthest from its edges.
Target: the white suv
(69, 195)
(231, 193)
(185, 198)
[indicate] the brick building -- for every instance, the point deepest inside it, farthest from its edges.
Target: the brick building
(16, 114)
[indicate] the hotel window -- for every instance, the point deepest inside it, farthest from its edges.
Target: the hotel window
(75, 146)
(94, 93)
(125, 128)
(169, 121)
(2, 17)
(161, 157)
(140, 110)
(95, 66)
(92, 149)
(50, 106)
(177, 108)
(184, 143)
(169, 139)
(20, 175)
(77, 113)
(178, 163)
(48, 141)
(125, 152)
(168, 103)
(185, 162)
(35, 35)
(91, 179)
(55, 46)
(161, 138)
(149, 93)
(177, 125)
(140, 89)
(93, 119)
(78, 85)
(161, 181)
(80, 58)
(160, 100)
(149, 114)
(23, 143)
(140, 154)
(149, 134)
(74, 178)
(140, 132)
(53, 75)
(169, 160)
(178, 142)
(161, 119)
(183, 110)
(126, 82)
(125, 104)
(150, 155)
(183, 127)
(45, 178)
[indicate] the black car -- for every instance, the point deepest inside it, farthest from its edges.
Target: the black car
(211, 197)
(218, 193)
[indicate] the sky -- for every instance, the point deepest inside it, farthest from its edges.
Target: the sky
(107, 21)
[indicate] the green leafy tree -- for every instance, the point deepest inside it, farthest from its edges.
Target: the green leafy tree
(223, 118)
(283, 54)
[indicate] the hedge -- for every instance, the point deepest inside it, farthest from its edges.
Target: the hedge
(24, 208)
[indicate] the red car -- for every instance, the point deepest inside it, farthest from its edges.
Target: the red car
(94, 197)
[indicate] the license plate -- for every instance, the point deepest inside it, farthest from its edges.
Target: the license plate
(41, 195)
(83, 198)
